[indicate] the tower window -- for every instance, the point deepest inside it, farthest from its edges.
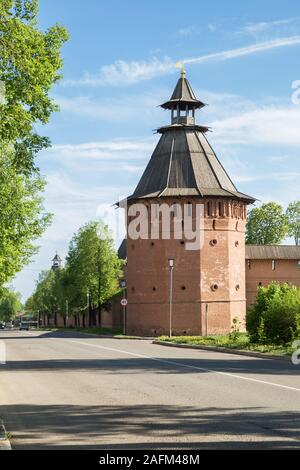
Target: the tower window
(190, 209)
(249, 263)
(214, 287)
(237, 287)
(236, 243)
(273, 264)
(174, 209)
(154, 289)
(213, 242)
(221, 209)
(209, 209)
(183, 288)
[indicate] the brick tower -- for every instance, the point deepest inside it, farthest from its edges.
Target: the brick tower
(208, 288)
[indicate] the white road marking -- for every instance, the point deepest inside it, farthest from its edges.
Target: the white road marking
(165, 361)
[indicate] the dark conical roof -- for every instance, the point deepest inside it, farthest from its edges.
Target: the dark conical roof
(183, 95)
(56, 258)
(184, 164)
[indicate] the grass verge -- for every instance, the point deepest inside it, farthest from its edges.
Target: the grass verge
(240, 341)
(115, 333)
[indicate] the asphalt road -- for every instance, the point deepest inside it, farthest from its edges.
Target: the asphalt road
(71, 391)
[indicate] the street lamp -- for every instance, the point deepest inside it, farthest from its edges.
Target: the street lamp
(87, 307)
(171, 267)
(67, 313)
(123, 286)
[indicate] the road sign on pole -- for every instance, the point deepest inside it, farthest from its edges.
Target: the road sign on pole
(124, 302)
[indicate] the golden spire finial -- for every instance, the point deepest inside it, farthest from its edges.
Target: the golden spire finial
(180, 65)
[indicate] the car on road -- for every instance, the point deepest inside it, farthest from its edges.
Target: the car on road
(24, 326)
(2, 326)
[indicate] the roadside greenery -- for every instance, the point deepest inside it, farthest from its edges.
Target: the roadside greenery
(240, 342)
(273, 323)
(30, 64)
(293, 213)
(274, 318)
(10, 305)
(266, 225)
(270, 225)
(22, 217)
(89, 279)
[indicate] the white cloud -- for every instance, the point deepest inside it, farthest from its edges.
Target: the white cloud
(113, 150)
(272, 125)
(243, 51)
(187, 31)
(263, 26)
(282, 176)
(115, 110)
(122, 72)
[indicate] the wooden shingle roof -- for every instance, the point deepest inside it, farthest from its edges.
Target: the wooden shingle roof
(273, 252)
(184, 164)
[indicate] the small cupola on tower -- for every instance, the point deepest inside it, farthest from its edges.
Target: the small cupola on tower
(56, 263)
(183, 102)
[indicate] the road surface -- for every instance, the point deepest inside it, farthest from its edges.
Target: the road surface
(72, 391)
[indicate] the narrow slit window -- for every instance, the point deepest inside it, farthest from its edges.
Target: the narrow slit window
(209, 209)
(273, 264)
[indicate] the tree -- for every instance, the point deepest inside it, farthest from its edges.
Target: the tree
(22, 218)
(266, 225)
(293, 214)
(274, 316)
(92, 268)
(43, 301)
(89, 279)
(29, 65)
(10, 305)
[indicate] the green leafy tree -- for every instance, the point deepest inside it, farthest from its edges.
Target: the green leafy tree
(10, 305)
(92, 268)
(293, 214)
(22, 218)
(30, 62)
(266, 225)
(43, 301)
(89, 279)
(274, 316)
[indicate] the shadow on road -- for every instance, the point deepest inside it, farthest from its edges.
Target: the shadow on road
(160, 427)
(159, 365)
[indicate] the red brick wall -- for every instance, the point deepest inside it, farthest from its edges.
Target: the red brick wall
(261, 272)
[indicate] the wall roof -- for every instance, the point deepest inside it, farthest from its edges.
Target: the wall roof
(273, 252)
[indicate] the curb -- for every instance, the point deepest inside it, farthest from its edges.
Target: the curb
(4, 442)
(238, 352)
(109, 336)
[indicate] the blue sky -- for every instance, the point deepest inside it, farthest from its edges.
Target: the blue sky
(119, 65)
